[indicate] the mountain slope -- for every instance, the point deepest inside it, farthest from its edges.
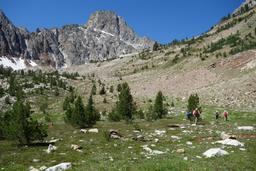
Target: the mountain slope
(105, 36)
(219, 65)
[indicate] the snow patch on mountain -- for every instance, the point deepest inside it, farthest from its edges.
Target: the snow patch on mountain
(16, 63)
(104, 32)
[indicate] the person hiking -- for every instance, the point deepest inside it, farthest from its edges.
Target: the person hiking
(217, 115)
(196, 114)
(189, 115)
(225, 113)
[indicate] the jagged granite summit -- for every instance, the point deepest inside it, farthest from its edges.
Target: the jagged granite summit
(105, 36)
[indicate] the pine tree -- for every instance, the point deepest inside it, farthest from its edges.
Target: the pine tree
(111, 89)
(119, 87)
(159, 106)
(1, 91)
(66, 103)
(94, 89)
(18, 125)
(125, 104)
(102, 91)
(91, 113)
(12, 85)
(155, 46)
(193, 102)
(78, 117)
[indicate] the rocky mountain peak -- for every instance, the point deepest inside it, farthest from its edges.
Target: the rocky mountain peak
(110, 22)
(105, 36)
(104, 20)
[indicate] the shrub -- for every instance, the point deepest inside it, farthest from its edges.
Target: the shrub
(151, 115)
(119, 87)
(102, 91)
(172, 104)
(156, 46)
(7, 100)
(140, 114)
(114, 116)
(56, 92)
(111, 89)
(104, 100)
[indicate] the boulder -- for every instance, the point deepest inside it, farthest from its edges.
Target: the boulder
(215, 152)
(136, 131)
(59, 167)
(189, 143)
(246, 128)
(31, 168)
(181, 150)
(160, 132)
(42, 168)
(152, 152)
(93, 130)
(224, 136)
(51, 148)
(242, 149)
(139, 138)
(54, 140)
(175, 137)
(83, 131)
(35, 160)
(114, 134)
(231, 142)
(76, 147)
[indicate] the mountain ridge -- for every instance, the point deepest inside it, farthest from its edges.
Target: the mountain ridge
(105, 36)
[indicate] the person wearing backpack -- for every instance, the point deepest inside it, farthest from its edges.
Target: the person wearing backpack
(225, 114)
(196, 114)
(189, 115)
(217, 115)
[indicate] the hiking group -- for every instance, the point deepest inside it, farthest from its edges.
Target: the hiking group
(195, 115)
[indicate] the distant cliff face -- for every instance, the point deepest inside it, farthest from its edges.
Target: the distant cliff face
(105, 36)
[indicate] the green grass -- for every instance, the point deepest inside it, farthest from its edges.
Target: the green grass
(97, 151)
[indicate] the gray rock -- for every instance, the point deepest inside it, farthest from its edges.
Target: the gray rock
(105, 36)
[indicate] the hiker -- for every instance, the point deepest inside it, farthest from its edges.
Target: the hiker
(217, 115)
(196, 114)
(225, 113)
(189, 115)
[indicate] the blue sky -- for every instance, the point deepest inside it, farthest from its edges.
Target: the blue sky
(161, 20)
